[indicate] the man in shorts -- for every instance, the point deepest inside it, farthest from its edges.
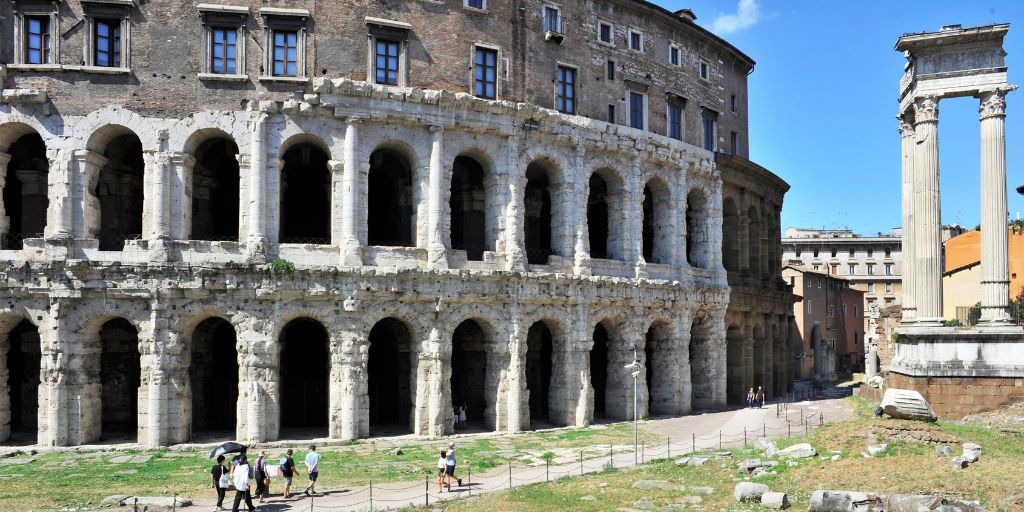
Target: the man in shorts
(451, 465)
(287, 471)
(313, 467)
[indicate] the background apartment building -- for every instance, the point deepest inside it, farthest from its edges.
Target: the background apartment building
(830, 320)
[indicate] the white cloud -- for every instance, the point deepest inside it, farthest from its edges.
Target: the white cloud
(747, 15)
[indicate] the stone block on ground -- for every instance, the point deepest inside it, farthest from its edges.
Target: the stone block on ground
(16, 461)
(775, 500)
(701, 490)
(140, 459)
(117, 499)
(844, 501)
(697, 461)
(916, 502)
(682, 461)
(877, 449)
(762, 442)
(151, 502)
(749, 491)
(943, 450)
(644, 503)
(750, 465)
(723, 455)
(120, 459)
(658, 484)
(971, 452)
(798, 451)
(958, 463)
(907, 404)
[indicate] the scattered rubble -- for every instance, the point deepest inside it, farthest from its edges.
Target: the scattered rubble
(907, 404)
(798, 451)
(749, 491)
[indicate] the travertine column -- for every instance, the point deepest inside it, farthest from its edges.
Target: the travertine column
(516, 376)
(577, 214)
(909, 220)
(258, 187)
(437, 255)
(515, 257)
(86, 167)
(59, 192)
(927, 213)
(995, 282)
(180, 213)
(350, 195)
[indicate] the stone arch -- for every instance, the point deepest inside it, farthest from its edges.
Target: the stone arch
(701, 364)
(473, 344)
(544, 340)
(661, 368)
(305, 190)
(606, 208)
(391, 377)
(17, 127)
(541, 211)
(119, 373)
(119, 186)
(754, 240)
(599, 369)
(25, 192)
(657, 221)
(468, 208)
(618, 387)
(391, 207)
(214, 186)
(730, 235)
(304, 373)
(100, 127)
(20, 376)
(698, 236)
(213, 377)
(735, 391)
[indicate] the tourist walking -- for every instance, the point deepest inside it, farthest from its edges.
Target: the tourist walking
(234, 460)
(750, 398)
(221, 480)
(242, 480)
(450, 463)
(759, 399)
(442, 470)
(462, 416)
(313, 468)
(261, 476)
(287, 470)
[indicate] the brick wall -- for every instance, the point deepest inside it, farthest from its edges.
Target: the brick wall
(956, 397)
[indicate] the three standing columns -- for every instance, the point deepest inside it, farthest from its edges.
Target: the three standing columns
(927, 213)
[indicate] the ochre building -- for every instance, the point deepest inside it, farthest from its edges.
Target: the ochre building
(340, 219)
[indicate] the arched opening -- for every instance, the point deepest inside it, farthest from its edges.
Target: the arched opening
(390, 378)
(469, 370)
(468, 208)
(597, 217)
(656, 230)
(758, 360)
(730, 236)
(697, 253)
(23, 364)
(390, 210)
(754, 240)
(120, 375)
(537, 215)
(734, 390)
(701, 370)
(213, 375)
(304, 374)
(599, 370)
(24, 194)
(305, 195)
(215, 185)
(660, 392)
(540, 346)
(120, 192)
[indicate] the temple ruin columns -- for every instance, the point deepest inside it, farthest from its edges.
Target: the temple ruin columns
(909, 219)
(348, 392)
(995, 282)
(927, 209)
(5, 220)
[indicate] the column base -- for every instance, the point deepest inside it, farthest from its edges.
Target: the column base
(351, 254)
(256, 250)
(437, 257)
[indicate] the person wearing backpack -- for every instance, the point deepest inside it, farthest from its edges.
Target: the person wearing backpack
(220, 481)
(287, 471)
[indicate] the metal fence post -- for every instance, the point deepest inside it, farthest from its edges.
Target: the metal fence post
(547, 470)
(694, 434)
(469, 479)
(764, 430)
(643, 453)
(426, 491)
(581, 461)
(371, 495)
(719, 439)
(805, 429)
(611, 461)
(311, 496)
(744, 436)
(789, 429)
(510, 473)
(668, 446)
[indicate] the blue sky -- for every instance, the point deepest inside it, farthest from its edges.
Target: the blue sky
(823, 100)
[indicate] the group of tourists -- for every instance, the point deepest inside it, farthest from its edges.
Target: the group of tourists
(755, 399)
(446, 469)
(241, 476)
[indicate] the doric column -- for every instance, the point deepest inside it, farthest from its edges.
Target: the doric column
(927, 213)
(577, 214)
(995, 282)
(59, 193)
(744, 238)
(516, 375)
(86, 167)
(181, 189)
(515, 251)
(347, 381)
(258, 384)
(909, 228)
(437, 254)
(258, 188)
(350, 255)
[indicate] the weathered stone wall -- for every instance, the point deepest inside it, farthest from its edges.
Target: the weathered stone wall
(956, 397)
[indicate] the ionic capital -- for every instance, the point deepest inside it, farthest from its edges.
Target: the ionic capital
(993, 103)
(926, 110)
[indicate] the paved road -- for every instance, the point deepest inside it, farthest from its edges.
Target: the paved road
(708, 431)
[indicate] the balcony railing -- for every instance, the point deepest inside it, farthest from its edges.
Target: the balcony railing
(554, 27)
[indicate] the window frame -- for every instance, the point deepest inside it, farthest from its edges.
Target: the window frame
(643, 109)
(612, 117)
(277, 20)
(382, 30)
(629, 39)
(611, 32)
(474, 49)
(117, 12)
(673, 102)
(711, 115)
(609, 70)
(23, 10)
(704, 69)
(560, 88)
(559, 27)
(674, 49)
(483, 5)
(223, 17)
(734, 142)
(732, 103)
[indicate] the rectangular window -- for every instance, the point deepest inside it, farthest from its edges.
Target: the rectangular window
(37, 40)
(871, 287)
(871, 252)
(705, 70)
(485, 73)
(844, 311)
(810, 306)
(675, 121)
(636, 41)
(673, 55)
(888, 269)
(636, 110)
(107, 43)
(286, 52)
(734, 143)
(611, 70)
(552, 20)
(604, 32)
(565, 100)
(853, 270)
(385, 62)
(709, 135)
(831, 311)
(223, 50)
(871, 269)
(732, 103)
(611, 113)
(476, 4)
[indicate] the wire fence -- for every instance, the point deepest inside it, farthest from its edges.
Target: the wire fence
(382, 496)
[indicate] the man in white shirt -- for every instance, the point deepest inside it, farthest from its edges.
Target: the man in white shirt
(241, 477)
(313, 468)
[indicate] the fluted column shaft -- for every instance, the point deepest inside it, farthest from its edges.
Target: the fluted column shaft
(909, 228)
(927, 212)
(437, 254)
(258, 181)
(995, 282)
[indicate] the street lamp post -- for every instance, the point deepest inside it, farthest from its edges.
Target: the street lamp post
(635, 366)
